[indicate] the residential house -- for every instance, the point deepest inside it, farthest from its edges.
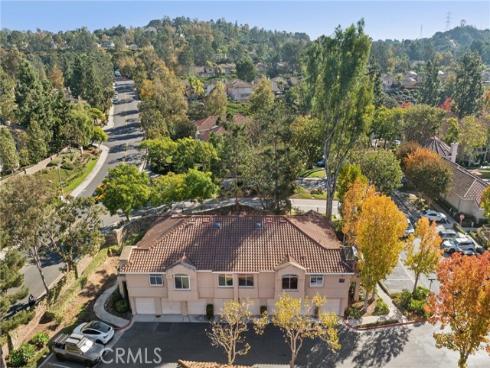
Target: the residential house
(203, 71)
(206, 126)
(239, 90)
(184, 263)
(466, 189)
(226, 69)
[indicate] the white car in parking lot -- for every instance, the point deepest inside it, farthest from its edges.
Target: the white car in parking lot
(435, 216)
(97, 331)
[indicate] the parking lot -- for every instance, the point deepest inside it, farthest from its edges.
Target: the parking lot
(156, 345)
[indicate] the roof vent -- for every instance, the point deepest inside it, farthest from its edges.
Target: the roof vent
(216, 225)
(258, 225)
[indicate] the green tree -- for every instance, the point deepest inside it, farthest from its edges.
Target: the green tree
(7, 97)
(73, 230)
(421, 122)
(124, 188)
(9, 159)
(23, 215)
(245, 70)
(79, 127)
(341, 95)
(348, 174)
(36, 143)
(387, 124)
(382, 169)
(262, 98)
(167, 189)
(99, 135)
(11, 277)
(468, 86)
(199, 185)
(471, 134)
(307, 138)
(430, 93)
(216, 101)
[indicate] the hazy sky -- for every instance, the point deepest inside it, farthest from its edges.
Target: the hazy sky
(384, 19)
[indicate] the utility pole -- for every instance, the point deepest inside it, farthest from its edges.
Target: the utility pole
(448, 21)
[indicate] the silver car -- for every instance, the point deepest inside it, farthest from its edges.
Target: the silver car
(77, 348)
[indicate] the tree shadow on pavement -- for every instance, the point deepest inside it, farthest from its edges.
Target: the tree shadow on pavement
(381, 346)
(321, 355)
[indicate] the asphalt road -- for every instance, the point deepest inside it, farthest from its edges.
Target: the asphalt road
(162, 344)
(124, 138)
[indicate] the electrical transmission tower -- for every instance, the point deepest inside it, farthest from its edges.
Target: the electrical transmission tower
(448, 21)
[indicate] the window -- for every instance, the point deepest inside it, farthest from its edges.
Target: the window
(156, 280)
(290, 282)
(316, 281)
(225, 280)
(341, 281)
(246, 281)
(182, 282)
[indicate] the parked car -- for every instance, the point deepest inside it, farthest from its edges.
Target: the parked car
(77, 348)
(435, 216)
(409, 230)
(97, 331)
(448, 234)
(463, 245)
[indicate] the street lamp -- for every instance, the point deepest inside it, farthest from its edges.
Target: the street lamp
(431, 279)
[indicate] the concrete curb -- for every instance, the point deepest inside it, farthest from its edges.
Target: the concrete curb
(361, 328)
(110, 119)
(103, 315)
(100, 162)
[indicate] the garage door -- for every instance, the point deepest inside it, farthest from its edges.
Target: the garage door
(333, 306)
(171, 307)
(145, 305)
(196, 308)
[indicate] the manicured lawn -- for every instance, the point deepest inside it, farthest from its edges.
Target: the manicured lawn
(485, 173)
(70, 169)
(302, 193)
(314, 173)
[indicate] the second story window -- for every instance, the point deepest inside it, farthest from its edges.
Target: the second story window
(182, 282)
(225, 280)
(290, 282)
(156, 280)
(316, 281)
(246, 281)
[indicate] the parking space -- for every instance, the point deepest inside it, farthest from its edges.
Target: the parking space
(160, 345)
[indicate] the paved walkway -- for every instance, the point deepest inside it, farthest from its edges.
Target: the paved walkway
(103, 315)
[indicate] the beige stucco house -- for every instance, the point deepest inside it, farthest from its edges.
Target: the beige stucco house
(185, 263)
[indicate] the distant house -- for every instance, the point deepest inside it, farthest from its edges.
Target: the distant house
(226, 69)
(203, 71)
(211, 124)
(466, 189)
(107, 44)
(239, 90)
(279, 84)
(410, 80)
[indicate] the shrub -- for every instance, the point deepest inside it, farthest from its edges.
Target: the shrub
(317, 191)
(421, 293)
(54, 162)
(417, 307)
(68, 166)
(40, 340)
(210, 311)
(21, 356)
(121, 306)
(381, 309)
(354, 313)
(263, 309)
(20, 318)
(405, 298)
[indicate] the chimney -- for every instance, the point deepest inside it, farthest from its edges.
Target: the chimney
(454, 152)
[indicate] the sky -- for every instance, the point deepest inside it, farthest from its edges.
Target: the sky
(384, 19)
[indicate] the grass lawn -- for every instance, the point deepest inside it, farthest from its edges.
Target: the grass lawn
(302, 193)
(70, 169)
(485, 173)
(318, 172)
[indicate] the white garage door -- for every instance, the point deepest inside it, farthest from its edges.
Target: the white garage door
(332, 306)
(196, 308)
(145, 305)
(171, 307)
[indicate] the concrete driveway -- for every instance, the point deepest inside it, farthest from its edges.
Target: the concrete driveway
(162, 344)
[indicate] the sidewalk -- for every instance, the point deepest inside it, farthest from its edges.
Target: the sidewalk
(394, 314)
(103, 315)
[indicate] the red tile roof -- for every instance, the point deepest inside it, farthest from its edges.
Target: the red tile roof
(239, 244)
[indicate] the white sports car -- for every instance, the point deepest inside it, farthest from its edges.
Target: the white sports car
(97, 331)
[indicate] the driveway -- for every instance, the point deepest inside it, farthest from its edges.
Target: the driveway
(162, 344)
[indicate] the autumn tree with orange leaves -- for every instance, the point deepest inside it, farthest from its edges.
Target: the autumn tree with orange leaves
(351, 207)
(462, 304)
(428, 172)
(423, 250)
(378, 235)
